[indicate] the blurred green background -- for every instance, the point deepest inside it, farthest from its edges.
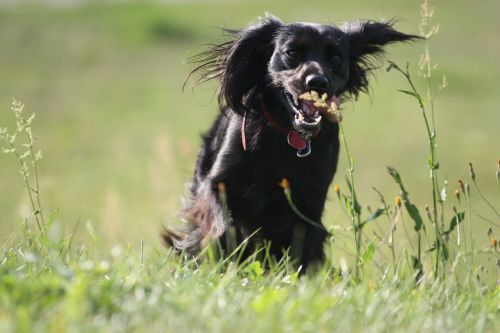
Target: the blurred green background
(119, 137)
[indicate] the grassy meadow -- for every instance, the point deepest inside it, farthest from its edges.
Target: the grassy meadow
(119, 140)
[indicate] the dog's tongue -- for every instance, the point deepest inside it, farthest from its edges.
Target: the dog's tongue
(308, 109)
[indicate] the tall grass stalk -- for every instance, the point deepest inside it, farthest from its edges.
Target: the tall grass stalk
(392, 225)
(432, 164)
(353, 208)
(427, 30)
(436, 214)
(28, 159)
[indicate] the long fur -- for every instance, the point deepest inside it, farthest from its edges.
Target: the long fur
(254, 71)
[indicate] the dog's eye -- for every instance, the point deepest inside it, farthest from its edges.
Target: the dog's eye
(336, 58)
(333, 53)
(292, 53)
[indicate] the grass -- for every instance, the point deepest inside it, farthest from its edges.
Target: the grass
(126, 290)
(119, 142)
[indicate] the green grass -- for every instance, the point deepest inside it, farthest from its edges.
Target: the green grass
(126, 290)
(119, 141)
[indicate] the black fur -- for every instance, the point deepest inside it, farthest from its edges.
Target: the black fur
(259, 68)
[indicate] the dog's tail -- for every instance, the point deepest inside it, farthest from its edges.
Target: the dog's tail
(183, 241)
(172, 238)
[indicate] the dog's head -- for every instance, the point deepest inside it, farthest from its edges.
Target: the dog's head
(283, 61)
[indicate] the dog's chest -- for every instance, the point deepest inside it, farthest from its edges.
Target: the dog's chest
(259, 189)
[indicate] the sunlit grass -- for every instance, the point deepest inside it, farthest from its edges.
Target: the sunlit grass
(57, 289)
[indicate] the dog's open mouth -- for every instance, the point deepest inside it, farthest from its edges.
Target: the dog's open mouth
(307, 114)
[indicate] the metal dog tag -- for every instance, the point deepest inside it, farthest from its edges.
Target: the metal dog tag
(306, 151)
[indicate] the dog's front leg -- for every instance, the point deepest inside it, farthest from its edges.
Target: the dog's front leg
(313, 253)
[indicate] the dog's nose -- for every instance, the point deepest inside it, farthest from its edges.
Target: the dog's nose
(318, 83)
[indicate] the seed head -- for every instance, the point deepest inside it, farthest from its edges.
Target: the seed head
(457, 194)
(494, 242)
(461, 183)
(472, 174)
(443, 194)
(428, 212)
(337, 189)
(467, 189)
(498, 172)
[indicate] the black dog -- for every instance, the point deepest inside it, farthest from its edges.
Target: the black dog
(265, 133)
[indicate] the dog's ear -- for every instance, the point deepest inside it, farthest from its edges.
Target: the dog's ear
(366, 41)
(245, 63)
(239, 64)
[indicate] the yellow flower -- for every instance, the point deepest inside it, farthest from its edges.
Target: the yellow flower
(284, 183)
(221, 187)
(337, 189)
(397, 200)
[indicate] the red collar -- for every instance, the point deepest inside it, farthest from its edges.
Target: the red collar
(273, 121)
(289, 131)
